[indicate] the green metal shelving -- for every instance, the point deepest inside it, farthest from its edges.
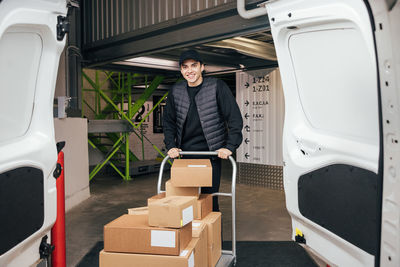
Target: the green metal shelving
(115, 145)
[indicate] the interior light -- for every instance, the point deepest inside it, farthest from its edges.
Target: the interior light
(166, 64)
(150, 62)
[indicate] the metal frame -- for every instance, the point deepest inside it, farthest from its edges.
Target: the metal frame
(386, 39)
(228, 257)
(121, 95)
(185, 31)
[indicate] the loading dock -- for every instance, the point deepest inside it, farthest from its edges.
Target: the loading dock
(113, 46)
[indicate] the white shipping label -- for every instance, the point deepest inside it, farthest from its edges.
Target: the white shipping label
(160, 238)
(187, 215)
(195, 225)
(183, 253)
(196, 166)
(191, 260)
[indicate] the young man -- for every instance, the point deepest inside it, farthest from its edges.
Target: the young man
(201, 114)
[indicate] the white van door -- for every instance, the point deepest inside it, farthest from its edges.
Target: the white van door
(332, 140)
(29, 58)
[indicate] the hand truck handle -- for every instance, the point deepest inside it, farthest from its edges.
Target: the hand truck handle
(199, 153)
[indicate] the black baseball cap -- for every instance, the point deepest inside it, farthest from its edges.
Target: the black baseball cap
(189, 54)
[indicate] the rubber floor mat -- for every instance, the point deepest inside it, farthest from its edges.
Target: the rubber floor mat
(271, 253)
(249, 254)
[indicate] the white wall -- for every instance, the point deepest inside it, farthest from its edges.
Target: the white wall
(76, 160)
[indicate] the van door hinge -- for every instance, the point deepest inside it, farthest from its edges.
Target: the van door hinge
(62, 27)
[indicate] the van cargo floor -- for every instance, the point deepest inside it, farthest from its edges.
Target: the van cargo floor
(249, 253)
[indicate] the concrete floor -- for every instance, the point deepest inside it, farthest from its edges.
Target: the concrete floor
(261, 212)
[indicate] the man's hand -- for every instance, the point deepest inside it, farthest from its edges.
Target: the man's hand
(174, 152)
(224, 153)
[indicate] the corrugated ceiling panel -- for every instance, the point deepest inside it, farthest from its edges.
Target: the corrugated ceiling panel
(109, 18)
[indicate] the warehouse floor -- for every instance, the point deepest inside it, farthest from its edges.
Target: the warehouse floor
(261, 213)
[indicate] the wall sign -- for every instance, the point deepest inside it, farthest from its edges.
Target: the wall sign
(260, 98)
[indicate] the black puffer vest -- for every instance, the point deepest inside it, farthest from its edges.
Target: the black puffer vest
(207, 107)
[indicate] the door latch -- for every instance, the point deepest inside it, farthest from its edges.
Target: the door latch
(62, 27)
(45, 248)
(57, 171)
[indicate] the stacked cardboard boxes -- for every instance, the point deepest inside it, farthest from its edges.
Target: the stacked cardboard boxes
(178, 228)
(142, 238)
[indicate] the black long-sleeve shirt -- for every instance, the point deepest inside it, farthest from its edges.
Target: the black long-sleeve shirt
(193, 137)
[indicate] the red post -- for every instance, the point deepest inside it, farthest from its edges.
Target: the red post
(58, 230)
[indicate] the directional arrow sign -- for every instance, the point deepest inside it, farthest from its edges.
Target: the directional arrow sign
(247, 85)
(247, 155)
(246, 116)
(247, 128)
(246, 141)
(247, 103)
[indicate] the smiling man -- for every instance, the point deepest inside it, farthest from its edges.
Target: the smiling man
(202, 115)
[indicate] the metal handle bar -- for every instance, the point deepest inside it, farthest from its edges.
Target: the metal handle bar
(232, 194)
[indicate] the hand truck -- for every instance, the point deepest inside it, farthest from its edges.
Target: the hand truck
(228, 257)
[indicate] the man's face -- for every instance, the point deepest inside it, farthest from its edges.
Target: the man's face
(191, 71)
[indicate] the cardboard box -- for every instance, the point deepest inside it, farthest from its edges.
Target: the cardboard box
(188, 258)
(155, 197)
(176, 211)
(204, 206)
(132, 234)
(139, 211)
(199, 230)
(213, 221)
(181, 191)
(191, 172)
